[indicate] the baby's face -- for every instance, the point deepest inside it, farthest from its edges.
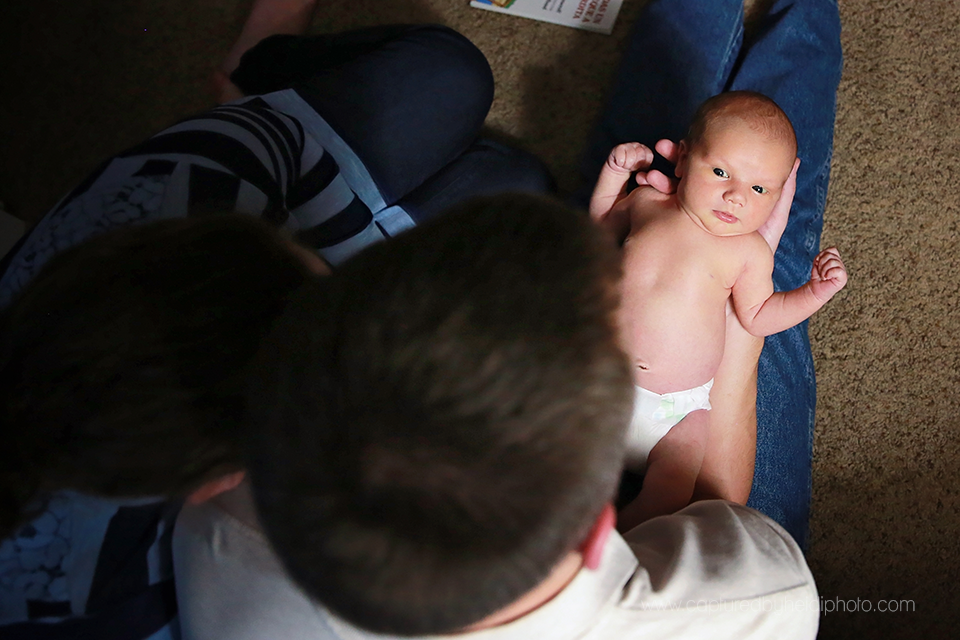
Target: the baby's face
(731, 179)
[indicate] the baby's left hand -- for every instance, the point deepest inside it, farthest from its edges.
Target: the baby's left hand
(828, 275)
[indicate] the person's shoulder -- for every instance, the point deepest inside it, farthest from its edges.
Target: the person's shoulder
(751, 252)
(230, 584)
(711, 527)
(736, 562)
(757, 247)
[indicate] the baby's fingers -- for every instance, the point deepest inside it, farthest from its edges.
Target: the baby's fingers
(832, 251)
(827, 256)
(631, 156)
(828, 266)
(836, 274)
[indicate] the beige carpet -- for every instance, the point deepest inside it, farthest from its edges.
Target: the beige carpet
(84, 79)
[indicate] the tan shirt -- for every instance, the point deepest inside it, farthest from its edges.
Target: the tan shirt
(715, 569)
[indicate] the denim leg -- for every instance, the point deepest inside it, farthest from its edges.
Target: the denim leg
(487, 168)
(796, 60)
(680, 53)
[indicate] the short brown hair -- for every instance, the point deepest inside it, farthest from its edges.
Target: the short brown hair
(443, 419)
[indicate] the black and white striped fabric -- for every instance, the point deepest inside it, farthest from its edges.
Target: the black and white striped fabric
(271, 156)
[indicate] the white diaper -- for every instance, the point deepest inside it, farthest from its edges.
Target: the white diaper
(654, 414)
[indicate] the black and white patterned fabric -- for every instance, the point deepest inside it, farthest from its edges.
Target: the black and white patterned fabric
(270, 156)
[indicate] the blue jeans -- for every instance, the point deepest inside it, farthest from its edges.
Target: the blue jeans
(409, 100)
(682, 52)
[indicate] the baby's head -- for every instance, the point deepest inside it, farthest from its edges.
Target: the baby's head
(734, 162)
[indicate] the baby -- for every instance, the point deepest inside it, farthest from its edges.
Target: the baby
(684, 256)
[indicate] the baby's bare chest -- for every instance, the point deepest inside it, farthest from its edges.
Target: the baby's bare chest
(674, 257)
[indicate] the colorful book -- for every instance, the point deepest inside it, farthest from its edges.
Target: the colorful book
(592, 15)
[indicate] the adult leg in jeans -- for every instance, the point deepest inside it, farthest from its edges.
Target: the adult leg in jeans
(680, 54)
(486, 168)
(408, 100)
(795, 59)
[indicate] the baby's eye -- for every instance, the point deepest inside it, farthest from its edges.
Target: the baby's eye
(759, 189)
(720, 172)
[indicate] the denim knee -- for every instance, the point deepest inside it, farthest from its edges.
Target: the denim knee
(450, 55)
(520, 170)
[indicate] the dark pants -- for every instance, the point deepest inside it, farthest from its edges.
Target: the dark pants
(409, 101)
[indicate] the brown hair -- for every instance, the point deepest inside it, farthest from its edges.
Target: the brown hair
(119, 362)
(443, 420)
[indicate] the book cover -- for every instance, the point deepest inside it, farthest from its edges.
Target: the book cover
(592, 15)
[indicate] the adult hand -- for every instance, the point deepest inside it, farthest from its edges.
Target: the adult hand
(727, 469)
(657, 179)
(772, 229)
(612, 185)
(267, 18)
(223, 89)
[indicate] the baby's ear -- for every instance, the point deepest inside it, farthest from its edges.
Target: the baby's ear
(683, 153)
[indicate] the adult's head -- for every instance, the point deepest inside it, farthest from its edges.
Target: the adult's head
(442, 422)
(732, 165)
(118, 363)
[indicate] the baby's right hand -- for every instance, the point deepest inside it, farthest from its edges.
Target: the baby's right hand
(629, 157)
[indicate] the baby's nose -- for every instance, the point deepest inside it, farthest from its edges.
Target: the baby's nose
(734, 196)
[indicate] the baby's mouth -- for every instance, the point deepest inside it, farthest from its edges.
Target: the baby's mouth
(723, 216)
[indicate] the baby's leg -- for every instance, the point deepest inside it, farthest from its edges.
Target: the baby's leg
(672, 469)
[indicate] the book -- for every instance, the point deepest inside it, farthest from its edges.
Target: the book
(592, 15)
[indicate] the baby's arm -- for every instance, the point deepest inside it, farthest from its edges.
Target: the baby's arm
(611, 186)
(672, 469)
(763, 312)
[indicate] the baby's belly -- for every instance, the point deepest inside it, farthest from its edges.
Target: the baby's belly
(673, 344)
